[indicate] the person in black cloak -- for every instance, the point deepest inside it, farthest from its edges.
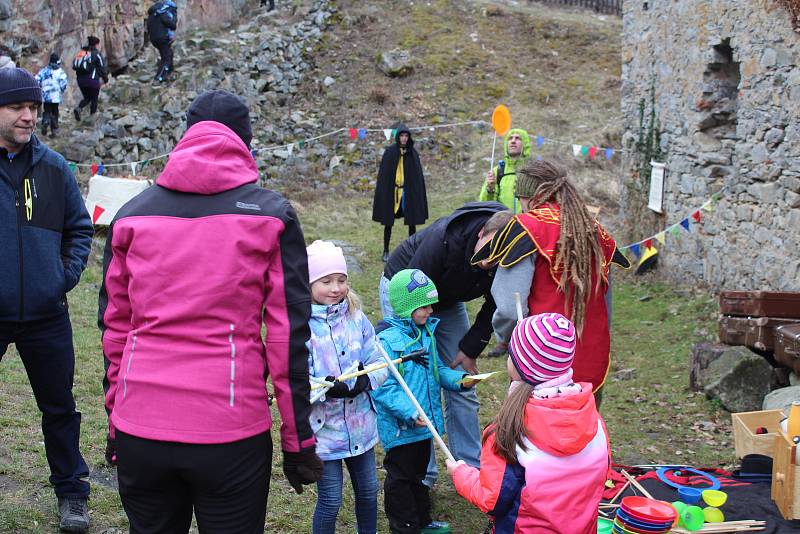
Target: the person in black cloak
(400, 190)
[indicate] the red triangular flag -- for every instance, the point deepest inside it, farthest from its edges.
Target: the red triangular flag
(593, 153)
(98, 211)
(95, 166)
(696, 216)
(353, 134)
(648, 244)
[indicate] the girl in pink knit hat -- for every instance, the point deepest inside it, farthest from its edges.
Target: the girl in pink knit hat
(344, 419)
(546, 455)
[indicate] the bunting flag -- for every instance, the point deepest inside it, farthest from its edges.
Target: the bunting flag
(353, 134)
(584, 150)
(539, 141)
(635, 249)
(576, 149)
(362, 133)
(592, 152)
(648, 244)
(394, 132)
(387, 133)
(696, 216)
(290, 149)
(94, 168)
(675, 231)
(302, 144)
(145, 163)
(609, 153)
(685, 224)
(72, 167)
(101, 169)
(133, 168)
(98, 211)
(661, 237)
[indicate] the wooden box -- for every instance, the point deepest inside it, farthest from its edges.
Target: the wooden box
(745, 439)
(785, 478)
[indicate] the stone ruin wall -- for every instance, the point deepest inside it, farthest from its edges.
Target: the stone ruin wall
(727, 95)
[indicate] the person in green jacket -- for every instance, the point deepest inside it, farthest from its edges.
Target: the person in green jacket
(501, 182)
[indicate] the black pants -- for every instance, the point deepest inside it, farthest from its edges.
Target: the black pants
(271, 3)
(50, 116)
(405, 497)
(90, 96)
(226, 484)
(387, 235)
(165, 59)
(45, 347)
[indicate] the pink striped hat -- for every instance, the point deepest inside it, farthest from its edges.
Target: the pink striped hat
(542, 347)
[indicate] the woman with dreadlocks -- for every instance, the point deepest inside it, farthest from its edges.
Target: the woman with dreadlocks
(556, 256)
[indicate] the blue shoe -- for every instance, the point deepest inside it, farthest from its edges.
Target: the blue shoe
(437, 527)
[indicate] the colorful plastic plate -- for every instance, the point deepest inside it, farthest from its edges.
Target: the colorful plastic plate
(604, 526)
(648, 509)
(639, 523)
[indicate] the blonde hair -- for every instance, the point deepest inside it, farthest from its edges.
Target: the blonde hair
(353, 300)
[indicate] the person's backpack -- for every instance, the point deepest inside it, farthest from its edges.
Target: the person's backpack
(82, 64)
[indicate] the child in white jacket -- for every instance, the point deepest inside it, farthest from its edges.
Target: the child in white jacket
(53, 81)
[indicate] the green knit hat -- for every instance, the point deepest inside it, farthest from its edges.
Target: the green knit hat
(410, 289)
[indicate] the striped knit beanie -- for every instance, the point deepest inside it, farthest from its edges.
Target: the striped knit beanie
(542, 347)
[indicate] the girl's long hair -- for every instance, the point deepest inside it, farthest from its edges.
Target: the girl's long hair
(353, 301)
(509, 424)
(579, 255)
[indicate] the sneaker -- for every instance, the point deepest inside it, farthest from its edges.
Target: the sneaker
(499, 350)
(77, 113)
(436, 527)
(74, 514)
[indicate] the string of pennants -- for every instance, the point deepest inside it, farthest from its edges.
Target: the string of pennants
(675, 230)
(355, 134)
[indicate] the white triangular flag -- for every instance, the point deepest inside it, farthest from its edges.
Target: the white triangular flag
(133, 168)
(576, 149)
(290, 149)
(387, 134)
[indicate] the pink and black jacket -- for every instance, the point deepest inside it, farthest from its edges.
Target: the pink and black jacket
(559, 478)
(193, 266)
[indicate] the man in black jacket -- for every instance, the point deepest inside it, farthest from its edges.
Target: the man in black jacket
(444, 251)
(46, 236)
(162, 21)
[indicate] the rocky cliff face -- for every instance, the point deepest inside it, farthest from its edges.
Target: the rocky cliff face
(31, 29)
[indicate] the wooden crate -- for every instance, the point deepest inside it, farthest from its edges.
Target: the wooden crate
(745, 439)
(785, 478)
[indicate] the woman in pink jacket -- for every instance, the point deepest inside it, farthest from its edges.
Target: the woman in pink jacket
(546, 455)
(194, 267)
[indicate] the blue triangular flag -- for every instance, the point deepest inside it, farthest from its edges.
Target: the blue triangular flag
(100, 169)
(362, 133)
(609, 153)
(539, 141)
(685, 224)
(635, 249)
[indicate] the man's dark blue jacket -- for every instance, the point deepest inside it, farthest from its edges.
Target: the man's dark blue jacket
(45, 233)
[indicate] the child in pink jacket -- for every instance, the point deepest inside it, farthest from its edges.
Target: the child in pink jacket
(546, 455)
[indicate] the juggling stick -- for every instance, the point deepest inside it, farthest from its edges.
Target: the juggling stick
(636, 484)
(436, 437)
(519, 305)
(417, 356)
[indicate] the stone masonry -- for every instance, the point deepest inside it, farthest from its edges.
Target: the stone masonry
(727, 96)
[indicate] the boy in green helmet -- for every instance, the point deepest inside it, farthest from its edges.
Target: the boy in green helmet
(403, 433)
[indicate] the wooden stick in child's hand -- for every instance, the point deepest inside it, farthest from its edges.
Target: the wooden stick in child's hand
(518, 301)
(421, 413)
(417, 356)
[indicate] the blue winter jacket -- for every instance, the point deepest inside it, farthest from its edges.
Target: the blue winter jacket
(45, 233)
(396, 413)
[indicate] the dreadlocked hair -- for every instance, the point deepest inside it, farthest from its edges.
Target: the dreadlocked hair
(578, 254)
(509, 424)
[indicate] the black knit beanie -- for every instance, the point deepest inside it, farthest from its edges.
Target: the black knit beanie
(17, 85)
(223, 107)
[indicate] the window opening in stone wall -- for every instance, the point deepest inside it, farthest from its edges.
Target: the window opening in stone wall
(719, 105)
